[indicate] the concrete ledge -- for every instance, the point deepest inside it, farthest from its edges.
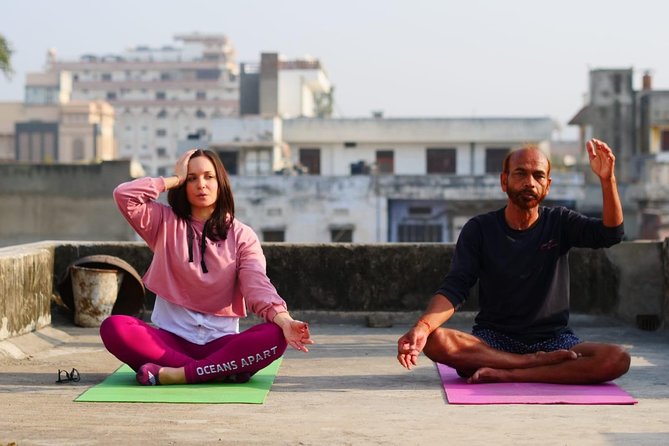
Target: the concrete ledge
(625, 281)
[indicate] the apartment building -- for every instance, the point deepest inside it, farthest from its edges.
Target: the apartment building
(160, 95)
(271, 91)
(47, 127)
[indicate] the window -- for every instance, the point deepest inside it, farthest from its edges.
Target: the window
(160, 95)
(201, 95)
(274, 235)
(229, 159)
(161, 132)
(211, 73)
(106, 77)
(494, 159)
(441, 160)
(165, 76)
(617, 83)
(416, 233)
(49, 141)
(200, 114)
(360, 168)
(664, 141)
(161, 151)
(311, 159)
(78, 150)
(385, 161)
(24, 146)
(341, 235)
(111, 95)
(162, 114)
(162, 171)
(420, 211)
(350, 144)
(258, 162)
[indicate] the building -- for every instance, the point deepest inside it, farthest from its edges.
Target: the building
(78, 131)
(285, 88)
(636, 124)
(411, 146)
(250, 146)
(271, 93)
(374, 180)
(160, 95)
(166, 98)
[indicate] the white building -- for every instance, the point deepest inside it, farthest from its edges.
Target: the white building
(285, 88)
(48, 127)
(160, 95)
(375, 180)
(414, 146)
(250, 146)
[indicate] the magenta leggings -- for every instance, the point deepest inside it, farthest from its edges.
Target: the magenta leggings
(136, 343)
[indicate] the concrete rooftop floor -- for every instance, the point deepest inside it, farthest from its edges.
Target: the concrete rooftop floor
(349, 390)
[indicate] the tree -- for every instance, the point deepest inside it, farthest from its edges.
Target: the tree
(5, 57)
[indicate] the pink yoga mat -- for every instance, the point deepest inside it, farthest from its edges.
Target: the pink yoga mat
(459, 392)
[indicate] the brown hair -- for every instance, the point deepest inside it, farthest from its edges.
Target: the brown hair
(507, 159)
(220, 221)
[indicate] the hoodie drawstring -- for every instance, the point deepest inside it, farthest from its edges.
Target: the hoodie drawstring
(203, 247)
(191, 236)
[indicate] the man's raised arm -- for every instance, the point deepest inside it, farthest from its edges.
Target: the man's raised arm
(602, 163)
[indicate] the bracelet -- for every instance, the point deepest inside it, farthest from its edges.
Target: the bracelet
(423, 321)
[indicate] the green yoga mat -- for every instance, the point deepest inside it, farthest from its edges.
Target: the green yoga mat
(121, 387)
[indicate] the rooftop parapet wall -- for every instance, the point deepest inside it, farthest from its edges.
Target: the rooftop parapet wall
(61, 201)
(627, 280)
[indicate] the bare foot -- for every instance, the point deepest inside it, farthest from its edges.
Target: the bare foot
(170, 375)
(549, 358)
(488, 375)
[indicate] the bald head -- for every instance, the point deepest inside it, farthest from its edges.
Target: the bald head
(517, 154)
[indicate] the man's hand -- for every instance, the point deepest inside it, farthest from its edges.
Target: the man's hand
(602, 160)
(296, 332)
(410, 345)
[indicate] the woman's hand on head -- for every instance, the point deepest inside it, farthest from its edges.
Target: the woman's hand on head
(181, 167)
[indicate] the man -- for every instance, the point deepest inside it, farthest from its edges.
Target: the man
(519, 256)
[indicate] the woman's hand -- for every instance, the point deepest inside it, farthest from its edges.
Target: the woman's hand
(296, 332)
(181, 167)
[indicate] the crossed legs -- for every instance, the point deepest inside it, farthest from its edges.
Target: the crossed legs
(155, 353)
(585, 363)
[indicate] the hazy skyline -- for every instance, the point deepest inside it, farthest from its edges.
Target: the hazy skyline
(407, 59)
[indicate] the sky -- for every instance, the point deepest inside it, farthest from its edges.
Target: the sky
(419, 58)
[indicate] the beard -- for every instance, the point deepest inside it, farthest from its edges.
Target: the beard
(525, 199)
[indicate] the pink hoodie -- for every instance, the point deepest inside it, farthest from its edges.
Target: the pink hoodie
(236, 265)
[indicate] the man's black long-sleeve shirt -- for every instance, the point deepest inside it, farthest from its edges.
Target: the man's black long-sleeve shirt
(523, 275)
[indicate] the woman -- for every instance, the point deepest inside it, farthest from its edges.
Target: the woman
(206, 266)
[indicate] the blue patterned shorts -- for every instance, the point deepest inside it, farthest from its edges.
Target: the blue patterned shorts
(500, 341)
